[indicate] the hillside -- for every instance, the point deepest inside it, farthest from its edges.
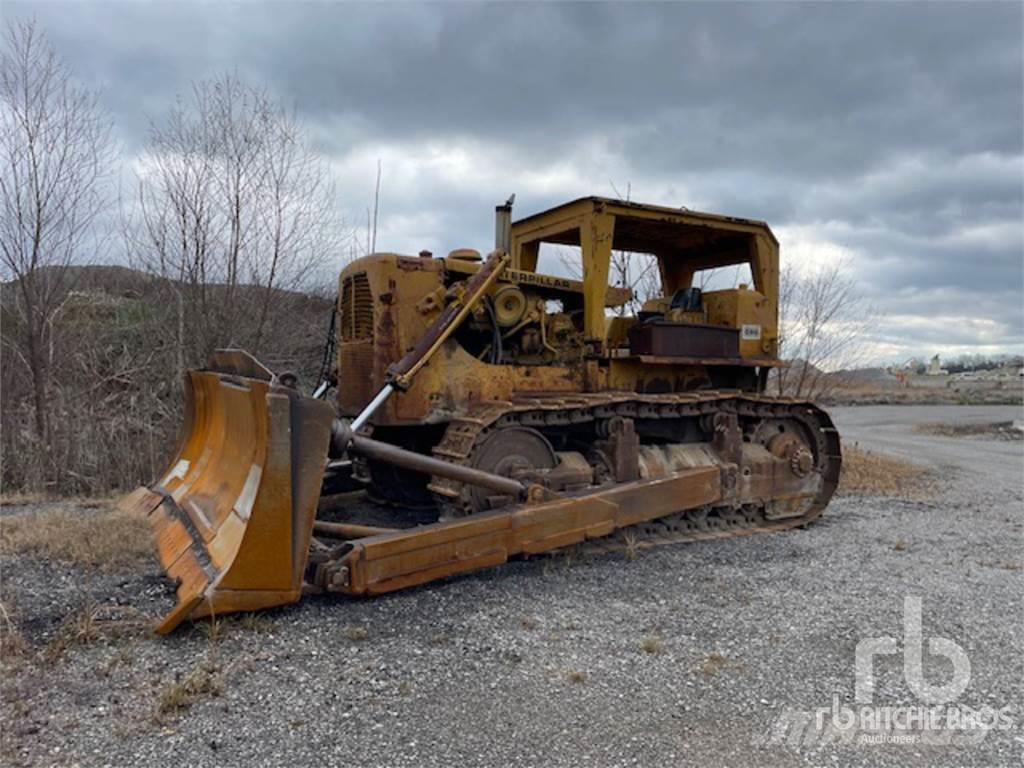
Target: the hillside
(115, 347)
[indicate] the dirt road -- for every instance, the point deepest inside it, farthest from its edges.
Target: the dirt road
(890, 428)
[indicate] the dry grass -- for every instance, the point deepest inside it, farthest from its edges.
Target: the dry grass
(953, 429)
(21, 498)
(713, 664)
(651, 644)
(25, 498)
(106, 538)
(93, 623)
(90, 623)
(12, 643)
(632, 546)
(259, 623)
(566, 558)
(1003, 565)
(357, 634)
(876, 473)
(213, 629)
(204, 679)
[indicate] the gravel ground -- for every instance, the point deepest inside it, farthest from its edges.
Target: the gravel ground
(686, 655)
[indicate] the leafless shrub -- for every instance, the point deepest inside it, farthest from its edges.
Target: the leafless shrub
(636, 271)
(823, 322)
(117, 339)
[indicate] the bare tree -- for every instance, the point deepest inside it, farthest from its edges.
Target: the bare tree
(823, 322)
(57, 153)
(233, 207)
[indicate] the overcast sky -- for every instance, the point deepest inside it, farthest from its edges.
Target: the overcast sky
(889, 135)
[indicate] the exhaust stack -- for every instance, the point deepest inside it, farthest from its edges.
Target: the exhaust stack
(503, 225)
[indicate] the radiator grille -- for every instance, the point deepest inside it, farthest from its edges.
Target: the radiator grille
(355, 361)
(356, 309)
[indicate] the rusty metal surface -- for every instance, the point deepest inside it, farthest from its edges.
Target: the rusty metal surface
(417, 462)
(397, 560)
(454, 379)
(233, 514)
(238, 362)
(348, 530)
(474, 289)
(466, 432)
(558, 284)
(699, 362)
(728, 487)
(663, 339)
(451, 379)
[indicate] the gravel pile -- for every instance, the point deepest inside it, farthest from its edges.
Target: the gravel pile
(686, 655)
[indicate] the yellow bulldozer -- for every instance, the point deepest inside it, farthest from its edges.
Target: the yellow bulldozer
(491, 411)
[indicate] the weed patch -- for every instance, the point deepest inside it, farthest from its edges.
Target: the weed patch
(104, 538)
(877, 473)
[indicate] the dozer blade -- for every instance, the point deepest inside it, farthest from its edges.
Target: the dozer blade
(233, 514)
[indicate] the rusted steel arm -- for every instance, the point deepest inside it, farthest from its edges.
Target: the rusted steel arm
(428, 465)
(348, 530)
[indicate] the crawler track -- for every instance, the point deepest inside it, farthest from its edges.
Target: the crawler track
(558, 415)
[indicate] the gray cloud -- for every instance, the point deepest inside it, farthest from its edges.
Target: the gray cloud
(892, 132)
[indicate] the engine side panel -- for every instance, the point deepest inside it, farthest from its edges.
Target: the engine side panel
(387, 301)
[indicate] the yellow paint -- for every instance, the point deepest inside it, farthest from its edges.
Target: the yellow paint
(407, 293)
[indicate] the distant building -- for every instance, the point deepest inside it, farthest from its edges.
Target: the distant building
(935, 368)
